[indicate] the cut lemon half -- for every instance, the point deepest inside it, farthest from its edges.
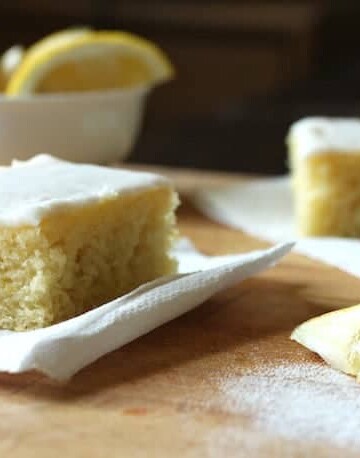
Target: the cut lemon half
(88, 62)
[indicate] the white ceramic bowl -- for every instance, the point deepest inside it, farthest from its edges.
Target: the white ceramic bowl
(95, 127)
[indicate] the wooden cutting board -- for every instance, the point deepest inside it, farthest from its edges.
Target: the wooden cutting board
(179, 391)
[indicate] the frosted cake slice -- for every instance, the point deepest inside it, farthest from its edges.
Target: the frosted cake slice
(324, 156)
(73, 237)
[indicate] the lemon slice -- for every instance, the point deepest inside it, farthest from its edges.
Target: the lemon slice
(90, 61)
(335, 336)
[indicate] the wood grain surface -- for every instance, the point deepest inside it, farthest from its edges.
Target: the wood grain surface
(159, 396)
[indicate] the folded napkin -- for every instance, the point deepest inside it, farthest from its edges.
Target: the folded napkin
(61, 350)
(264, 208)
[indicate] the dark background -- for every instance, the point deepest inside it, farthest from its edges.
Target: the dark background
(245, 70)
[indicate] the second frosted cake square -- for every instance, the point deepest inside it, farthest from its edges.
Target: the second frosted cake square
(324, 156)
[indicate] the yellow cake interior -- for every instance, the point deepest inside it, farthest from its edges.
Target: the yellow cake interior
(78, 259)
(327, 193)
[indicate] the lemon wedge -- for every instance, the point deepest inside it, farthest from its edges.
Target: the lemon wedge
(335, 336)
(89, 61)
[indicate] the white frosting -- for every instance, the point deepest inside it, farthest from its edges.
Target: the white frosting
(33, 189)
(317, 135)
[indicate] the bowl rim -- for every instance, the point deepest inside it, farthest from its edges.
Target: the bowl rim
(139, 90)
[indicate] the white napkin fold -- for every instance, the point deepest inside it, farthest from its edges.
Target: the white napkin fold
(61, 350)
(264, 208)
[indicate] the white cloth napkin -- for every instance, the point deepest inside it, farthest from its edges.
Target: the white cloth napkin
(61, 350)
(264, 208)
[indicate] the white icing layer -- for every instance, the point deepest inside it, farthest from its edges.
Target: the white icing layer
(317, 135)
(31, 190)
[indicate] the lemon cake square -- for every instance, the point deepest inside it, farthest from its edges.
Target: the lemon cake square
(73, 237)
(324, 157)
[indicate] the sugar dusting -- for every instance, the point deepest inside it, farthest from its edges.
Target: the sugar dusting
(302, 401)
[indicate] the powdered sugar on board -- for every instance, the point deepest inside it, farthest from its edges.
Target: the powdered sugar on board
(297, 401)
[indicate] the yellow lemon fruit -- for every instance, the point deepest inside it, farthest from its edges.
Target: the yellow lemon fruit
(89, 61)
